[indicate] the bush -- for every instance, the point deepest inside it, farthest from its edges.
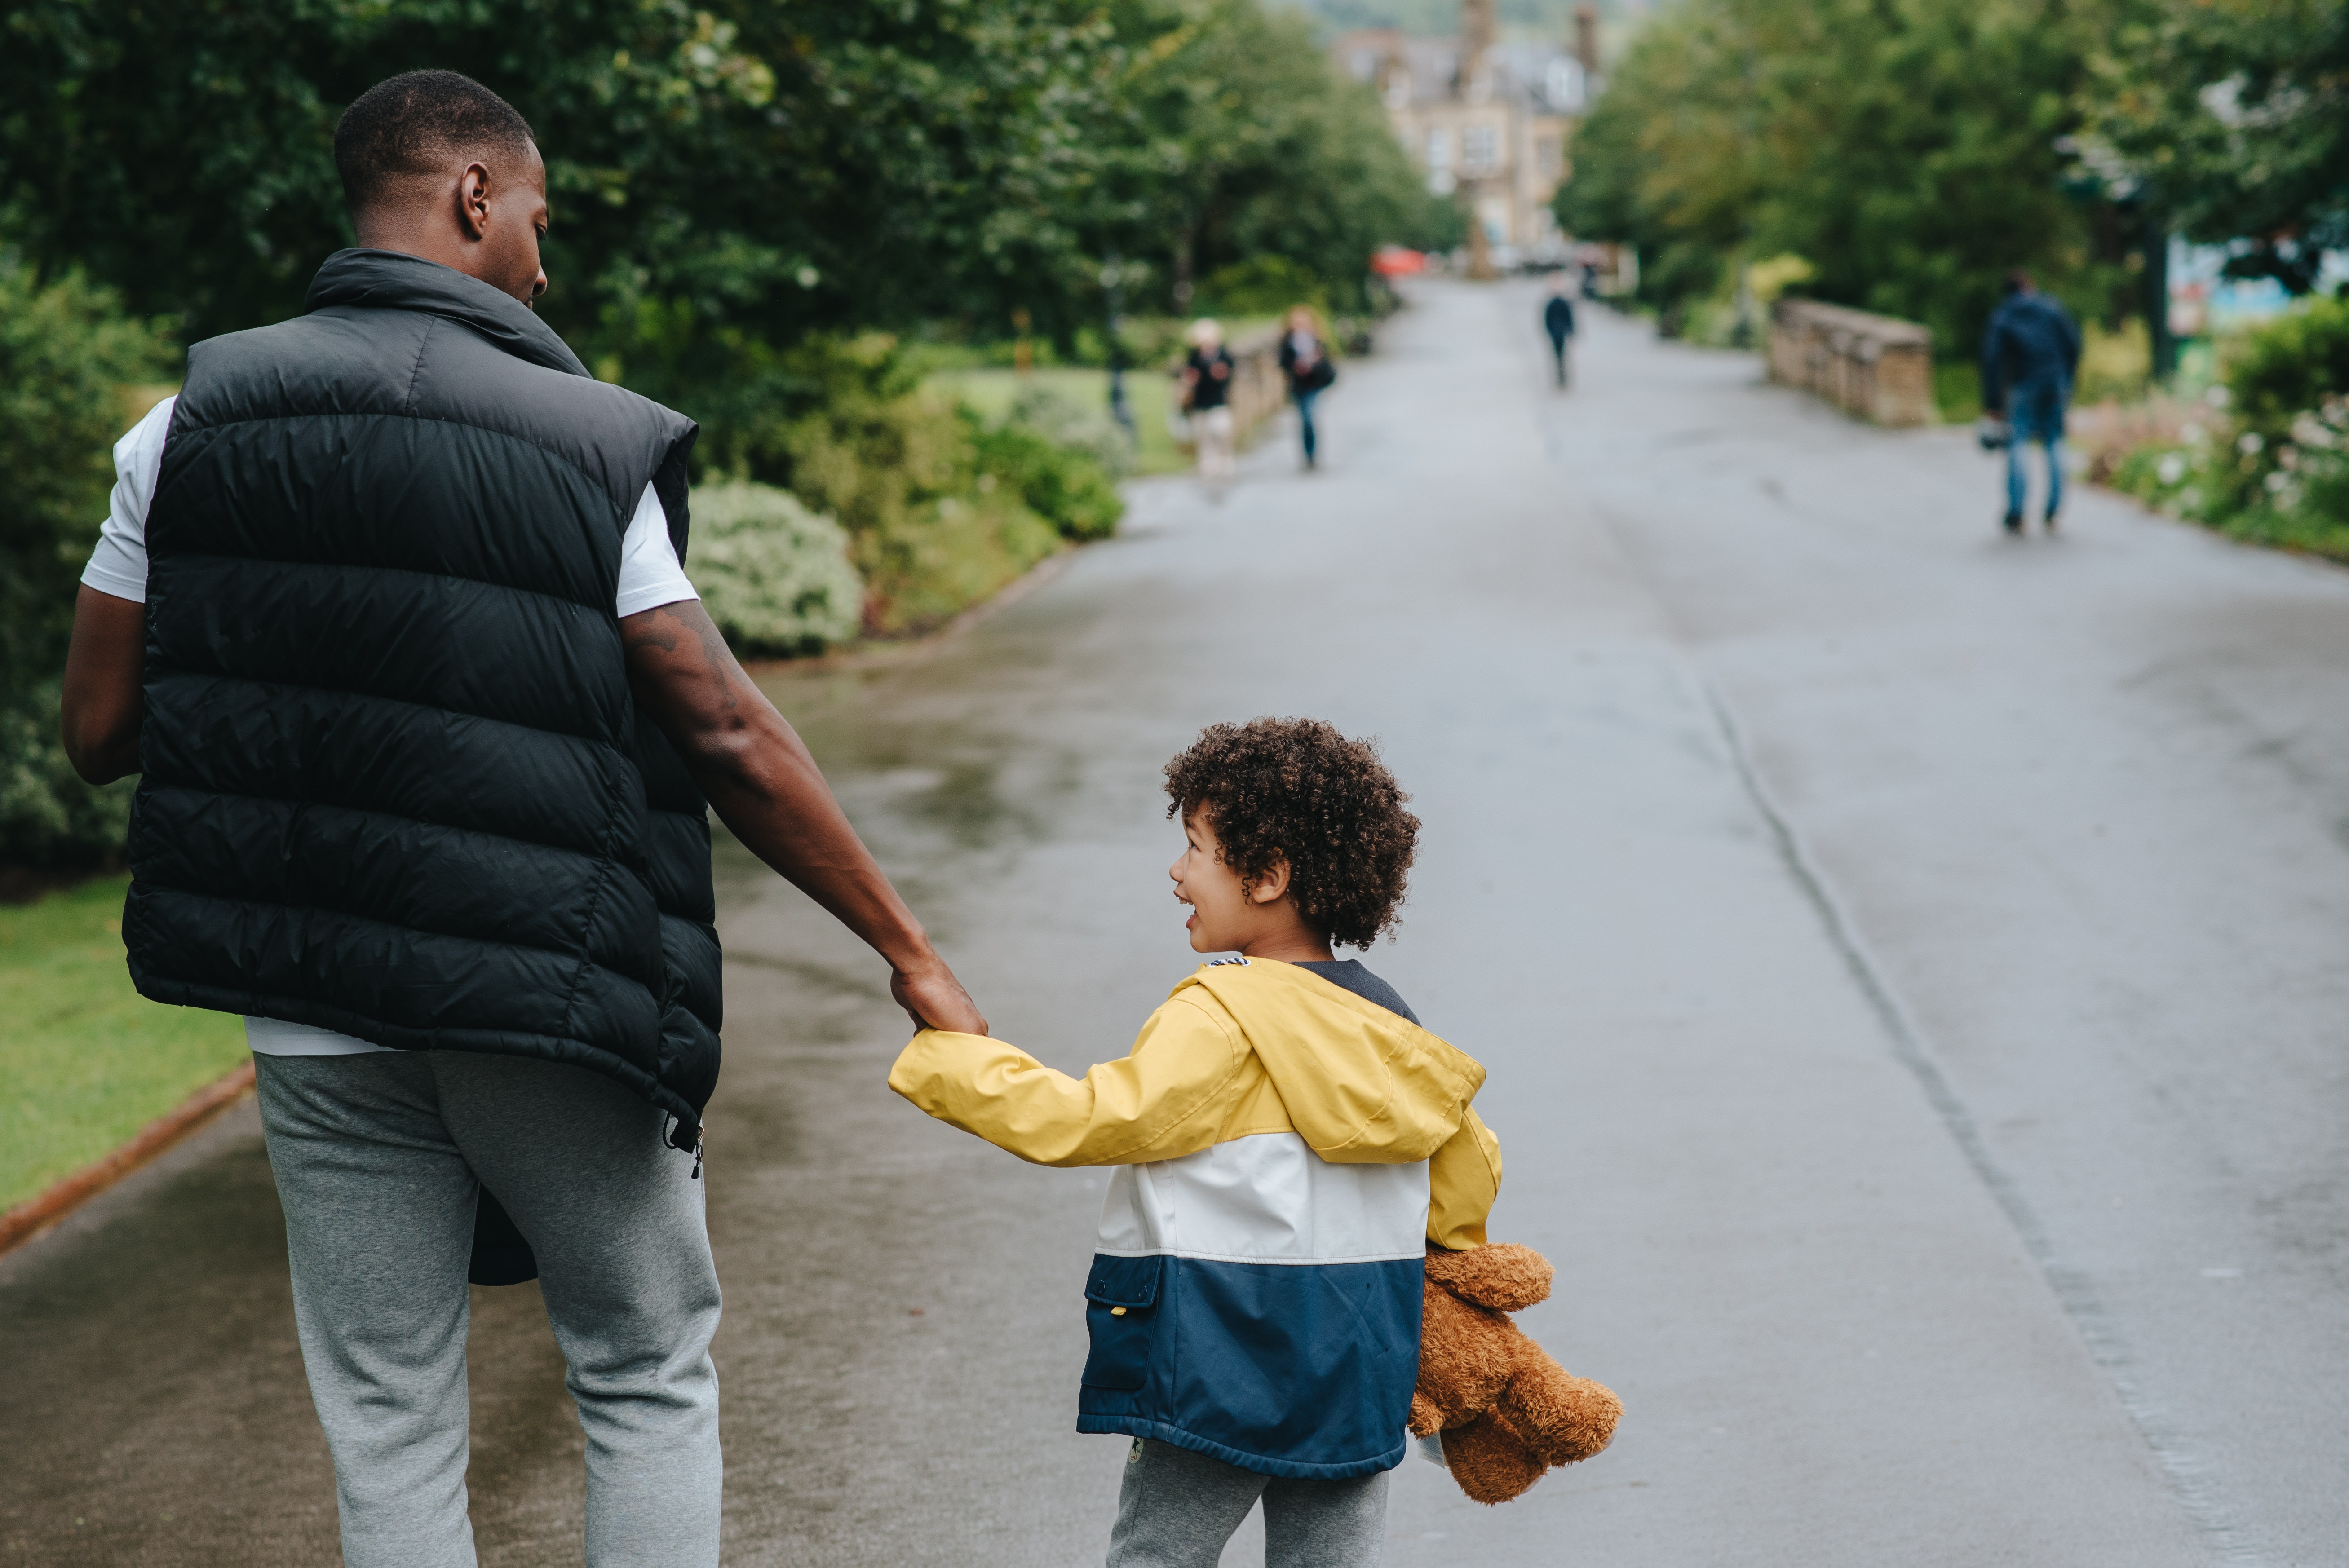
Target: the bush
(2271, 466)
(49, 817)
(2116, 365)
(1064, 487)
(1260, 285)
(773, 575)
(67, 353)
(901, 472)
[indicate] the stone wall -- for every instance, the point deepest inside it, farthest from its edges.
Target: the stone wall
(1876, 367)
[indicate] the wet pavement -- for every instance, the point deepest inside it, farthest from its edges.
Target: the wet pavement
(1908, 962)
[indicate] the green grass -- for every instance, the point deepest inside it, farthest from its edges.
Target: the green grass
(86, 1060)
(1147, 391)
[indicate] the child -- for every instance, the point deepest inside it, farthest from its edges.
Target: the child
(1288, 1140)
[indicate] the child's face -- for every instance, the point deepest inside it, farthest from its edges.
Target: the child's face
(1224, 917)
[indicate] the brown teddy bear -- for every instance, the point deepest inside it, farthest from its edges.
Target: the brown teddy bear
(1508, 1411)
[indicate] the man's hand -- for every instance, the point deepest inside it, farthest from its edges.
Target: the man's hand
(765, 787)
(935, 999)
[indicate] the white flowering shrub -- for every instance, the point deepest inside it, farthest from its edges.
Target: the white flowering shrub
(2272, 463)
(775, 576)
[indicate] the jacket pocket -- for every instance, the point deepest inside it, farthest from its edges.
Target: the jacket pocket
(1121, 1315)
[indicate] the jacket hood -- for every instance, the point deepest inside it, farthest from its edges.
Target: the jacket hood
(393, 279)
(1362, 1085)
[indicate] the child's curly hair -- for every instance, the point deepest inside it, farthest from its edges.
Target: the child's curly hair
(1295, 789)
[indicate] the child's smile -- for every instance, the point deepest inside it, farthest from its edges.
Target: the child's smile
(1227, 915)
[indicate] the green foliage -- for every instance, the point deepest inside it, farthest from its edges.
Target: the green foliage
(773, 575)
(1081, 424)
(49, 817)
(1261, 285)
(1229, 136)
(723, 175)
(1065, 486)
(2115, 365)
(2230, 117)
(66, 353)
(2290, 365)
(1071, 405)
(2274, 469)
(901, 472)
(1906, 149)
(727, 178)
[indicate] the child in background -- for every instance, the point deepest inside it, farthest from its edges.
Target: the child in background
(1287, 1141)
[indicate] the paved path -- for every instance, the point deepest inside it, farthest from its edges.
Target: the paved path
(1909, 965)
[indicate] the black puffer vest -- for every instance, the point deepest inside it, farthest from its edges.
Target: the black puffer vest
(394, 785)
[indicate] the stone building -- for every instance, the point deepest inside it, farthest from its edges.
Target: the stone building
(1492, 121)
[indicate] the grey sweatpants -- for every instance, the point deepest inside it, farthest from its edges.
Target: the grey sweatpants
(378, 1159)
(1176, 1508)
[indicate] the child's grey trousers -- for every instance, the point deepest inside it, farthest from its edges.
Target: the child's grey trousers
(378, 1159)
(1176, 1508)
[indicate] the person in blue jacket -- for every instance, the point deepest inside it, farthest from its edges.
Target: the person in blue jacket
(1558, 321)
(2031, 353)
(1288, 1142)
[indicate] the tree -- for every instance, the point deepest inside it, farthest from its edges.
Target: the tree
(1227, 135)
(65, 352)
(743, 167)
(1909, 150)
(2234, 116)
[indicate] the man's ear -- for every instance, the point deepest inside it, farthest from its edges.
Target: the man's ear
(1273, 887)
(473, 200)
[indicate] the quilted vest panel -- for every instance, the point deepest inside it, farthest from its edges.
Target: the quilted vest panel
(394, 784)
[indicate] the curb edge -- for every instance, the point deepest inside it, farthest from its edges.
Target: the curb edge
(37, 1214)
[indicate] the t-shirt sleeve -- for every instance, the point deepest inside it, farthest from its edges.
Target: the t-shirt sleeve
(650, 574)
(118, 567)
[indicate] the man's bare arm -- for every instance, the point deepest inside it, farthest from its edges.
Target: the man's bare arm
(106, 669)
(765, 787)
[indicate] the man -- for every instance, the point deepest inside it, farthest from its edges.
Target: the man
(428, 715)
(2031, 354)
(1557, 320)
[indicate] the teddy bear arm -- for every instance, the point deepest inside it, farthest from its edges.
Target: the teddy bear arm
(1561, 1418)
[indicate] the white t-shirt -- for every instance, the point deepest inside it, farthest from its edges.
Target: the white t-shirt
(650, 576)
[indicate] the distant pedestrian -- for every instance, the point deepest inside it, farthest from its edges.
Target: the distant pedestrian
(1207, 398)
(1557, 320)
(1305, 359)
(1286, 1145)
(2030, 355)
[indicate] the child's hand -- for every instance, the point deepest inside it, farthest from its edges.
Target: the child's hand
(935, 999)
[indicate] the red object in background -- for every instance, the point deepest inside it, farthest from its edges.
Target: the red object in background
(1394, 262)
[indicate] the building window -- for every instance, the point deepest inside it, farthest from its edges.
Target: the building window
(1439, 149)
(1565, 87)
(1479, 149)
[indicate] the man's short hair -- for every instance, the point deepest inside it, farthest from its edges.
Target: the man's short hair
(2017, 281)
(1295, 790)
(415, 124)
